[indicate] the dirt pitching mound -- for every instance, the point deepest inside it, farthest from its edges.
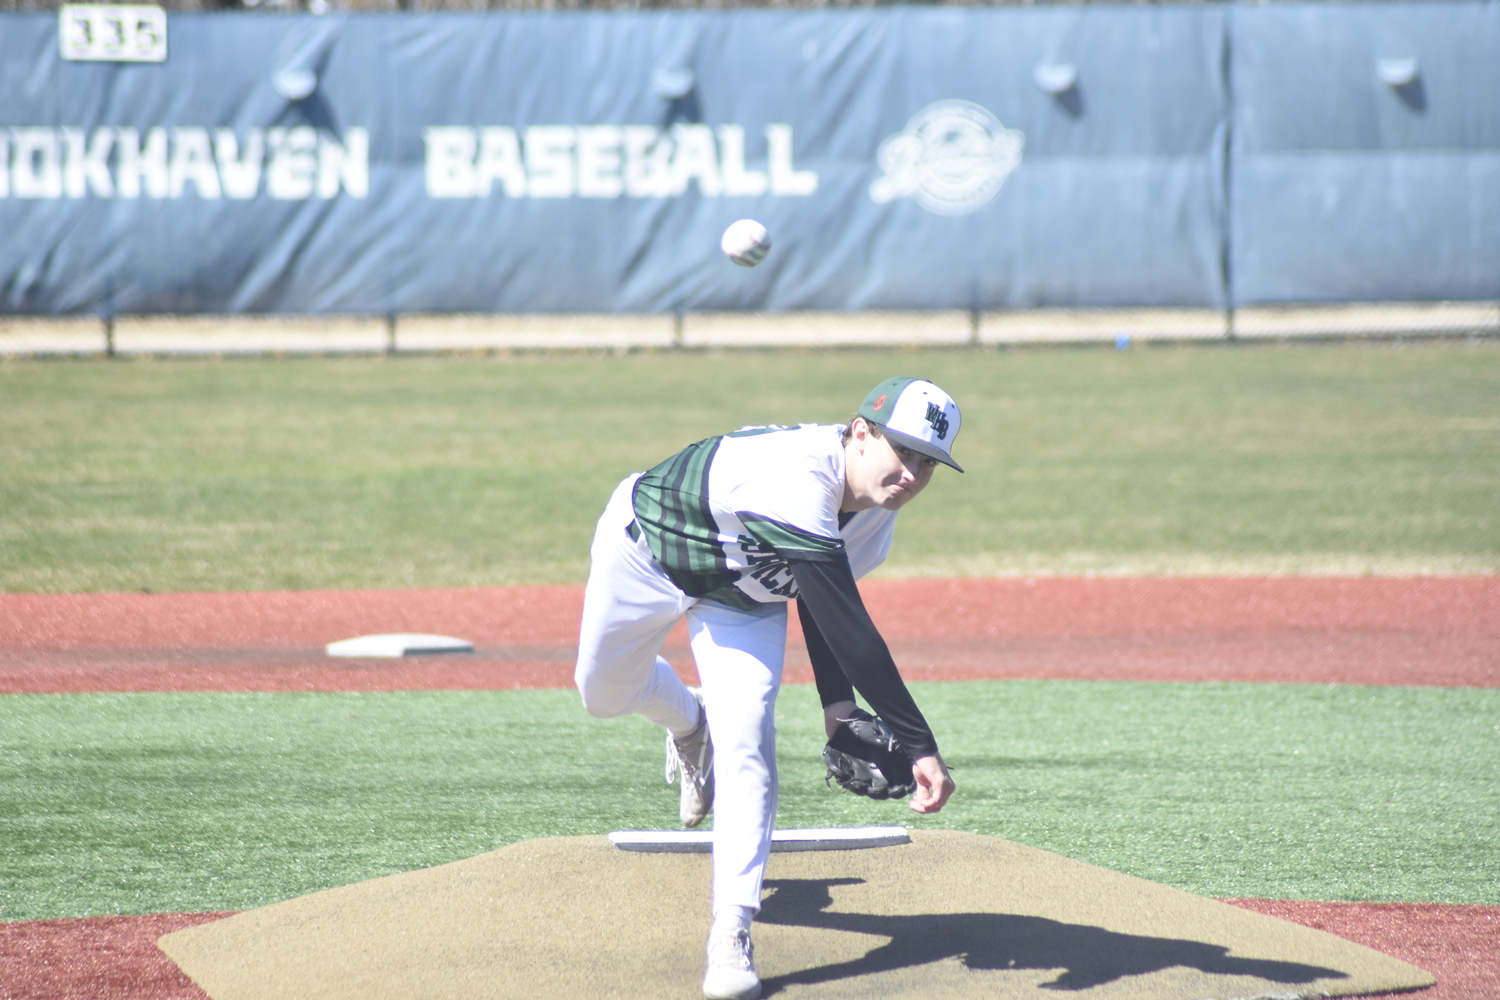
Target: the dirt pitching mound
(950, 915)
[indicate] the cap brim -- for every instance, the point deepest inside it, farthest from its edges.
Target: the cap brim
(922, 447)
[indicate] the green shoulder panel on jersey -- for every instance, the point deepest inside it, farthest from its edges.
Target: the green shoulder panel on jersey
(745, 432)
(672, 508)
(790, 540)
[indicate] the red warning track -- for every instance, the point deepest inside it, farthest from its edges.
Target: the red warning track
(1418, 631)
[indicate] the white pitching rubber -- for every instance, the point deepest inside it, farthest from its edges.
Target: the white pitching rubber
(848, 838)
(399, 644)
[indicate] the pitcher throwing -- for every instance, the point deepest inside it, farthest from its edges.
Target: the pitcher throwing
(725, 533)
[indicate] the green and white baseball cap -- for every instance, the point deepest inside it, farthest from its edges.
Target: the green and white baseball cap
(916, 413)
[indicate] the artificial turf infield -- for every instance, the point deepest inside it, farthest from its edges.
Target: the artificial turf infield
(140, 803)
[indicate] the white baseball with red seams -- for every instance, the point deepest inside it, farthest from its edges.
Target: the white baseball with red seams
(746, 242)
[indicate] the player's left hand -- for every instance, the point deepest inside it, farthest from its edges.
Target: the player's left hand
(864, 757)
(934, 785)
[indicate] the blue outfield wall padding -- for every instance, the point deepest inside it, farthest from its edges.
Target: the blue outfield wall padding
(901, 157)
(1348, 187)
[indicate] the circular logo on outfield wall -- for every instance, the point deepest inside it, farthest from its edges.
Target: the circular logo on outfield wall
(952, 159)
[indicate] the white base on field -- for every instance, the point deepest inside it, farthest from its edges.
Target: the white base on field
(836, 838)
(399, 644)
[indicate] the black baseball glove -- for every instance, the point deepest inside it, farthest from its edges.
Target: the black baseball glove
(864, 757)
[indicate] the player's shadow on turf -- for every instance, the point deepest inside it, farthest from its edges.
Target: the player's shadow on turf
(1088, 956)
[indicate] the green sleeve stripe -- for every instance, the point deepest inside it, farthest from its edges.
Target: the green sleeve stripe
(787, 539)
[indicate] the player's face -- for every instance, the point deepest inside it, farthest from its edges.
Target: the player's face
(881, 473)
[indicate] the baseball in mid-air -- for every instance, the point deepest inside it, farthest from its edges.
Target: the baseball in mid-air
(746, 242)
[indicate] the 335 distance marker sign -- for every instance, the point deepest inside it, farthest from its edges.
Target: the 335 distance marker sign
(112, 32)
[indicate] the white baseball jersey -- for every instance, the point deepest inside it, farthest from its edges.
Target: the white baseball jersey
(722, 516)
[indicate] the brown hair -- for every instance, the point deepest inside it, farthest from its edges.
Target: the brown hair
(876, 430)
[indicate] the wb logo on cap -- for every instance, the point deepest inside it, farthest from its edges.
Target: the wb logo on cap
(938, 420)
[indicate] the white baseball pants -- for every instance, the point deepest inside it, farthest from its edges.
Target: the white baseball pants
(629, 607)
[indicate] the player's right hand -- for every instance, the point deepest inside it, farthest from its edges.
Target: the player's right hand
(934, 785)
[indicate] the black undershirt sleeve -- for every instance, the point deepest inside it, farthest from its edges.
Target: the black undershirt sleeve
(847, 637)
(833, 684)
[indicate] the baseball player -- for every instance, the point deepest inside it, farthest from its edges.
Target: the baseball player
(725, 533)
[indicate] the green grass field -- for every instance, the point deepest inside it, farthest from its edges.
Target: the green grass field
(195, 802)
(448, 471)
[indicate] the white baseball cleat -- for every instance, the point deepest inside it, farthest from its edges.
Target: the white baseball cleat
(730, 974)
(693, 757)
